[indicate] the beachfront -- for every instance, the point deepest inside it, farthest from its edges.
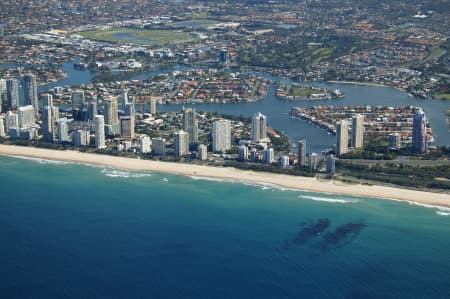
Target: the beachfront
(232, 174)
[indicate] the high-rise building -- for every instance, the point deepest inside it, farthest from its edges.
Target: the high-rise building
(284, 161)
(153, 101)
(145, 144)
(63, 130)
(2, 128)
(30, 91)
(111, 117)
(221, 135)
(159, 146)
(77, 99)
(268, 155)
(341, 138)
(124, 98)
(81, 137)
(127, 126)
(2, 94)
(11, 120)
(202, 151)
(47, 123)
(259, 127)
(313, 161)
(46, 100)
(419, 133)
(223, 55)
(243, 152)
(301, 153)
(331, 164)
(26, 117)
(92, 109)
(181, 140)
(100, 131)
(12, 93)
(357, 131)
(190, 125)
(394, 141)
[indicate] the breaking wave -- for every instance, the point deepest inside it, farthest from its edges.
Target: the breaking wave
(327, 199)
(124, 174)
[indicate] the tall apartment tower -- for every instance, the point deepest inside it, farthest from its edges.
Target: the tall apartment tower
(357, 131)
(419, 133)
(302, 153)
(77, 99)
(100, 131)
(124, 98)
(259, 126)
(111, 117)
(92, 109)
(341, 137)
(46, 100)
(47, 123)
(221, 135)
(26, 116)
(12, 93)
(181, 140)
(30, 91)
(153, 101)
(190, 125)
(127, 126)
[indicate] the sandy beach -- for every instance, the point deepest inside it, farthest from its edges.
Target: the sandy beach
(232, 174)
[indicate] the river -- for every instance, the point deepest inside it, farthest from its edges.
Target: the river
(277, 110)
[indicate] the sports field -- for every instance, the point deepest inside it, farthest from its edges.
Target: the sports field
(140, 36)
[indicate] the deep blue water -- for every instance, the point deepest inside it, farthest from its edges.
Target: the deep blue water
(75, 231)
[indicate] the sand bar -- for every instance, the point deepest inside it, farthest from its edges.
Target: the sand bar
(228, 173)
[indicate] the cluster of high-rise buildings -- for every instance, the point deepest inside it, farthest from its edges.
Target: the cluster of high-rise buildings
(91, 123)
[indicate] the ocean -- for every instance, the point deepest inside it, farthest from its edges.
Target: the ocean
(77, 231)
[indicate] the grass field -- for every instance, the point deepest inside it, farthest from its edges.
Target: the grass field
(442, 96)
(140, 37)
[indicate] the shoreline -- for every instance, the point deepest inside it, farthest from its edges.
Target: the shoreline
(232, 174)
(362, 83)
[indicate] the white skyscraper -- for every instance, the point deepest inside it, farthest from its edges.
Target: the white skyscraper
(100, 131)
(221, 135)
(202, 152)
(145, 144)
(26, 117)
(181, 140)
(357, 131)
(268, 155)
(259, 127)
(153, 101)
(2, 128)
(243, 152)
(284, 161)
(341, 137)
(11, 120)
(63, 130)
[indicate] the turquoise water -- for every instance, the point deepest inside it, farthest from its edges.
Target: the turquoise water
(75, 231)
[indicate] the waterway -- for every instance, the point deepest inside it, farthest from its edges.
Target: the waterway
(277, 110)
